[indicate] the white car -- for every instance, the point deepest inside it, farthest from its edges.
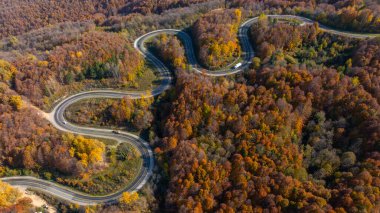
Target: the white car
(237, 65)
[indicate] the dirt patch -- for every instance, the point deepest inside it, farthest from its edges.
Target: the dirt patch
(37, 201)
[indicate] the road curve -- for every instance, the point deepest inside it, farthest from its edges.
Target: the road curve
(243, 35)
(56, 117)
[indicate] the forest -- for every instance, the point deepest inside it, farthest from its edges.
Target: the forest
(352, 15)
(94, 56)
(21, 16)
(16, 16)
(170, 50)
(30, 145)
(297, 131)
(49, 149)
(131, 114)
(276, 140)
(281, 42)
(215, 36)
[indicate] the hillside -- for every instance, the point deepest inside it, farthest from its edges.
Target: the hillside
(190, 105)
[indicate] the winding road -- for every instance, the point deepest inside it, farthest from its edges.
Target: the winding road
(56, 117)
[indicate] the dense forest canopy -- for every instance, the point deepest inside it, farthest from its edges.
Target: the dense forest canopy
(355, 15)
(241, 147)
(20, 16)
(277, 138)
(299, 130)
(280, 42)
(29, 141)
(92, 56)
(215, 37)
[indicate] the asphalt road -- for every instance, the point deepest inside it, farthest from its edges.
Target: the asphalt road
(243, 35)
(56, 117)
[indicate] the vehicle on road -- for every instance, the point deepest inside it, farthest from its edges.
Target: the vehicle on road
(238, 65)
(144, 148)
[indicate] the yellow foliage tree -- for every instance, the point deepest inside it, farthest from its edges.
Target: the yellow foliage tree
(128, 198)
(79, 54)
(238, 14)
(8, 195)
(89, 210)
(173, 142)
(89, 151)
(16, 101)
(179, 62)
(42, 63)
(131, 77)
(299, 125)
(126, 109)
(31, 57)
(7, 71)
(72, 54)
(355, 81)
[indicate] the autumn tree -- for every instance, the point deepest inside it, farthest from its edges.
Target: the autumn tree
(7, 71)
(8, 195)
(16, 101)
(88, 151)
(128, 198)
